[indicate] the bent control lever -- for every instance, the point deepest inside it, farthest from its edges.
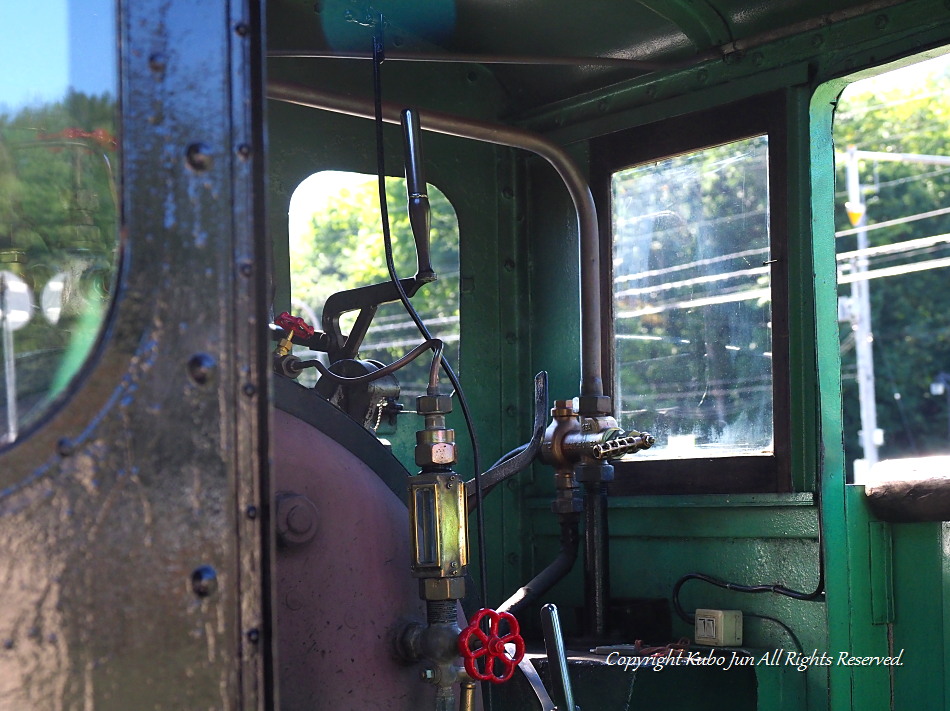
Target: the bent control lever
(367, 299)
(534, 679)
(417, 196)
(508, 468)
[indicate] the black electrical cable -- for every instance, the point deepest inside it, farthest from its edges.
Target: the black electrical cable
(816, 595)
(390, 266)
(432, 343)
(736, 587)
(788, 630)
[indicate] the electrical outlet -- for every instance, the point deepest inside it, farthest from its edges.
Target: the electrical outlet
(719, 628)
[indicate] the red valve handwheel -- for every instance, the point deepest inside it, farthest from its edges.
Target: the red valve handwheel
(294, 324)
(491, 649)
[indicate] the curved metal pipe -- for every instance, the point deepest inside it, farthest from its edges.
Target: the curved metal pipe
(553, 573)
(576, 183)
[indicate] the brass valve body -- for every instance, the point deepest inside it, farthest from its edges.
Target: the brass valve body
(439, 516)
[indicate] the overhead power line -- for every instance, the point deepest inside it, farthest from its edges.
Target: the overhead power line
(892, 223)
(895, 271)
(895, 248)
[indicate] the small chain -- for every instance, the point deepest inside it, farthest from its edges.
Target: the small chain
(379, 414)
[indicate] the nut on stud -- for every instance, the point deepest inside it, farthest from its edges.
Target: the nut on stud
(434, 404)
(594, 405)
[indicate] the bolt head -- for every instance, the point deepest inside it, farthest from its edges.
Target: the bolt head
(204, 581)
(296, 519)
(594, 405)
(199, 157)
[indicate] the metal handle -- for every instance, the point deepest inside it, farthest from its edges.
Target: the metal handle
(418, 197)
(617, 447)
(557, 658)
(294, 325)
(490, 647)
(534, 679)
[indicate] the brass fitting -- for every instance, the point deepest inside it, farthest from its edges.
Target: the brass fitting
(434, 404)
(285, 345)
(467, 702)
(574, 439)
(564, 423)
(435, 447)
(442, 588)
(438, 520)
(439, 534)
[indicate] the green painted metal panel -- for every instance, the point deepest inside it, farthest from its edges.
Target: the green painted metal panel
(919, 622)
(881, 579)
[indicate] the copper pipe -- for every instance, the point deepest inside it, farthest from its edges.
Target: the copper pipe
(574, 180)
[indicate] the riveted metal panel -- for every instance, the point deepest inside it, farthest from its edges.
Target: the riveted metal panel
(130, 566)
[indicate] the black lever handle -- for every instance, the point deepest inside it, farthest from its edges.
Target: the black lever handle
(418, 196)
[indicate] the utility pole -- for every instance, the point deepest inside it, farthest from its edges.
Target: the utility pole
(860, 315)
(859, 306)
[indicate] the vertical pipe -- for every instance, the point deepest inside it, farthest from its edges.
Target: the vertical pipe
(596, 560)
(9, 363)
(467, 702)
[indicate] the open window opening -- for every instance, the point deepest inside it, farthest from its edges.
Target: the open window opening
(892, 151)
(336, 245)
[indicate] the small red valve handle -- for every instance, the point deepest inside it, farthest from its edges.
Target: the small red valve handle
(294, 325)
(490, 647)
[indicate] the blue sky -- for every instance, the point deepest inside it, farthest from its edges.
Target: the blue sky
(47, 46)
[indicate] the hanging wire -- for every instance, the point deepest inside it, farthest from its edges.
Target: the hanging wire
(423, 329)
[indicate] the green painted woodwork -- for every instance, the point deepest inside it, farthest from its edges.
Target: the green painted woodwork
(881, 575)
(886, 583)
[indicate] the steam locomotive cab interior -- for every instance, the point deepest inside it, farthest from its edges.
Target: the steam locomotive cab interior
(452, 355)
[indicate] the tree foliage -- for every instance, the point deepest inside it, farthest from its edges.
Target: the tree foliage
(344, 249)
(908, 311)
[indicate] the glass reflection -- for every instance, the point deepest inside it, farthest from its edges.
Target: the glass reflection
(58, 196)
(692, 301)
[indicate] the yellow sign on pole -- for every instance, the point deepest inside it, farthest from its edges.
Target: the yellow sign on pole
(856, 211)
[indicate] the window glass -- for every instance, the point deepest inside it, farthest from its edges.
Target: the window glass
(692, 304)
(58, 196)
(336, 244)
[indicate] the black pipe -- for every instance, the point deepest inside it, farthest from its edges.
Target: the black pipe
(553, 573)
(596, 560)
